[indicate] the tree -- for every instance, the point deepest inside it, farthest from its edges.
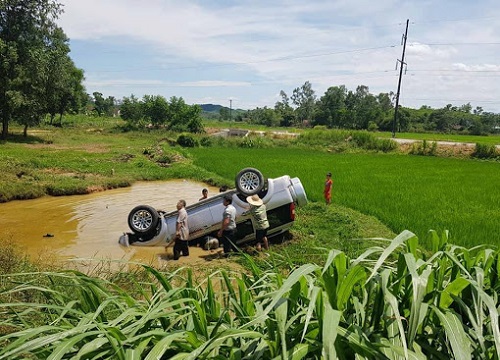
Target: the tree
(27, 28)
(224, 113)
(104, 106)
(131, 109)
(155, 109)
(284, 110)
(183, 117)
(331, 107)
(63, 89)
(264, 116)
(304, 99)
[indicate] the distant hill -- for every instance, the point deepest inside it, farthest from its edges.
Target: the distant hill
(210, 107)
(216, 108)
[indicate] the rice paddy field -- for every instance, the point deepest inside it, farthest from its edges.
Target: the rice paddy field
(416, 193)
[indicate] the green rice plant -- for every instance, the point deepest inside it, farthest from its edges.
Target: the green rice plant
(391, 302)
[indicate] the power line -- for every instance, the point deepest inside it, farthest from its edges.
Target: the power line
(285, 58)
(455, 44)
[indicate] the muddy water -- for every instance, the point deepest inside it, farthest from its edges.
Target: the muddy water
(88, 226)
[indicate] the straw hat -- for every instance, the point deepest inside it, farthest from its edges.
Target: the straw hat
(255, 200)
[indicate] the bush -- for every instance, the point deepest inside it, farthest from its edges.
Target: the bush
(206, 141)
(424, 148)
(372, 126)
(247, 143)
(186, 140)
(484, 151)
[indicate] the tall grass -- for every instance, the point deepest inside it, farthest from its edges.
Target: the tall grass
(404, 192)
(391, 302)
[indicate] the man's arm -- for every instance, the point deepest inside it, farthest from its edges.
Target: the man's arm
(223, 226)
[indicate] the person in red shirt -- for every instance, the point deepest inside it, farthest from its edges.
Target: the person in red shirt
(328, 188)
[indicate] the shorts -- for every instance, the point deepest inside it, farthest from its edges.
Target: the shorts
(260, 234)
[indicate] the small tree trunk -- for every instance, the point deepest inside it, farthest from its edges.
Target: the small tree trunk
(25, 131)
(5, 128)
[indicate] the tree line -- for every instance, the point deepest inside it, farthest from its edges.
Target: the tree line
(341, 108)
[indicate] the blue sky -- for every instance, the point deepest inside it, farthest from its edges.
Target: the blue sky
(248, 51)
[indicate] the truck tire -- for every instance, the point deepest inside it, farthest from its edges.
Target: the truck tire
(249, 181)
(143, 219)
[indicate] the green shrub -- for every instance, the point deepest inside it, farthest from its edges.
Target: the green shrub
(247, 143)
(372, 126)
(484, 151)
(368, 141)
(206, 141)
(186, 140)
(424, 148)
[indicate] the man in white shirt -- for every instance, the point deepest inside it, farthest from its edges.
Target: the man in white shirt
(227, 230)
(181, 231)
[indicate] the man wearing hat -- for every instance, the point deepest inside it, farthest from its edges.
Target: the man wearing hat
(259, 214)
(328, 188)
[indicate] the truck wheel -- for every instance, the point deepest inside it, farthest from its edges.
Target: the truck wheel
(143, 219)
(249, 181)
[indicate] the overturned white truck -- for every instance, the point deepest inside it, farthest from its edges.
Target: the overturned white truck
(151, 227)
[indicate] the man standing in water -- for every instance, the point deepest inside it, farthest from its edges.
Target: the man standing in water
(227, 230)
(181, 231)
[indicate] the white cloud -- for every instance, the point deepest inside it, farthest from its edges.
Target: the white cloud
(254, 49)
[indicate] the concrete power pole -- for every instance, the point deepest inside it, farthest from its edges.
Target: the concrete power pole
(230, 109)
(402, 62)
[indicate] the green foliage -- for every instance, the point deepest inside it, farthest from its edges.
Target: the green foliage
(36, 74)
(186, 140)
(372, 126)
(247, 142)
(484, 151)
(391, 302)
(341, 140)
(423, 148)
(206, 141)
(157, 112)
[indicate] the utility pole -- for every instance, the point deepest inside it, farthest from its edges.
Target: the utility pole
(402, 61)
(230, 109)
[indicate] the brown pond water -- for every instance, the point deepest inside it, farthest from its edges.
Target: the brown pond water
(88, 226)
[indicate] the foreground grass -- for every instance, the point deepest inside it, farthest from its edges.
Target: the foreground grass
(438, 306)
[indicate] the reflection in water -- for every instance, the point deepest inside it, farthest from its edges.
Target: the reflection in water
(88, 226)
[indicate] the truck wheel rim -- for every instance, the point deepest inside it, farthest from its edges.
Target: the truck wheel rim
(142, 220)
(249, 182)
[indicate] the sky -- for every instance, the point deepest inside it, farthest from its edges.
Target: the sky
(241, 54)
